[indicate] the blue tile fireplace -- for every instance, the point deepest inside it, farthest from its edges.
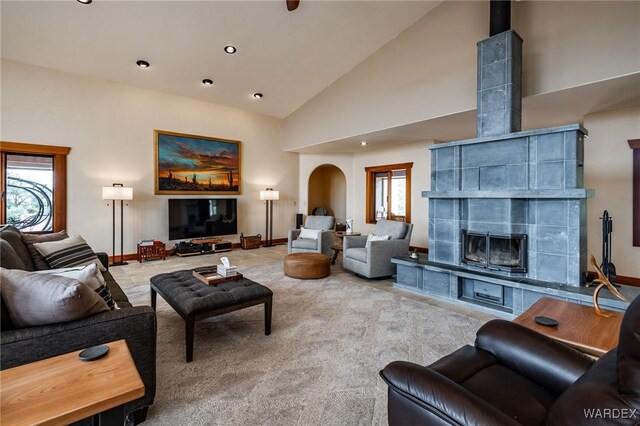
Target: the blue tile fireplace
(508, 209)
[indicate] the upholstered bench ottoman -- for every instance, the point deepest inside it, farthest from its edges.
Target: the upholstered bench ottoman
(307, 266)
(194, 300)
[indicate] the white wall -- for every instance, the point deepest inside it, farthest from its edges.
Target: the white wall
(419, 154)
(429, 70)
(353, 166)
(109, 127)
(571, 43)
(608, 168)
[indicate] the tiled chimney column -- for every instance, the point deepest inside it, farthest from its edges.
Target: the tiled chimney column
(499, 85)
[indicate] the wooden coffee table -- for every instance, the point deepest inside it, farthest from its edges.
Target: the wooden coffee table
(579, 326)
(64, 389)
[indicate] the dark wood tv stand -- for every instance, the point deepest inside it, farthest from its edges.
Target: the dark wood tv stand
(206, 240)
(209, 246)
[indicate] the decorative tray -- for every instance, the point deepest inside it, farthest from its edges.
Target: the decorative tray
(209, 275)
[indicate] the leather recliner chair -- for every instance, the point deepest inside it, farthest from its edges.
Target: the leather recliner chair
(516, 376)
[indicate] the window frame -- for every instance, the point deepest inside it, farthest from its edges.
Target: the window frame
(370, 172)
(59, 155)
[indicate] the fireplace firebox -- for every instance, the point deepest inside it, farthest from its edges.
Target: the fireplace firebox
(494, 251)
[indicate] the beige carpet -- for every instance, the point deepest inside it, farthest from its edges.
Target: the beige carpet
(330, 337)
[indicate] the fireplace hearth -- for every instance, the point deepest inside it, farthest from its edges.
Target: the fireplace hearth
(495, 252)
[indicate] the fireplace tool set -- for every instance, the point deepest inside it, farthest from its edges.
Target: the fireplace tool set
(608, 268)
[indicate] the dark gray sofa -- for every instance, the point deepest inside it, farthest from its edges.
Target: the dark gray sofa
(135, 324)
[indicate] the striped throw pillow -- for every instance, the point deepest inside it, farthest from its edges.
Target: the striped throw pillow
(72, 251)
(88, 275)
(38, 260)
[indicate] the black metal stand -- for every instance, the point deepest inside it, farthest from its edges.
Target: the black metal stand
(122, 262)
(113, 261)
(608, 268)
(269, 224)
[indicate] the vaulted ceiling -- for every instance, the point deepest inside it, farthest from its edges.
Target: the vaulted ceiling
(287, 56)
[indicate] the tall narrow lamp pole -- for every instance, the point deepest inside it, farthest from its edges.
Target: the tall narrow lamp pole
(117, 192)
(269, 196)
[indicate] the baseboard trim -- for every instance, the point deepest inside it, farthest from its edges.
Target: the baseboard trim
(621, 279)
(419, 249)
(279, 241)
(129, 256)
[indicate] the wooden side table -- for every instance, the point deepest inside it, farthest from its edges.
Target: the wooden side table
(338, 246)
(63, 389)
(156, 251)
(578, 325)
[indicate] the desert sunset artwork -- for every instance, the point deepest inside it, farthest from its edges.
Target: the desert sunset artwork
(189, 164)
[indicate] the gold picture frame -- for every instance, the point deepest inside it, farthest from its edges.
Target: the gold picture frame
(192, 164)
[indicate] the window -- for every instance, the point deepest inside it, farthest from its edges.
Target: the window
(33, 184)
(389, 192)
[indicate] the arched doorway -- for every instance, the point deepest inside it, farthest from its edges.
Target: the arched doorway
(328, 190)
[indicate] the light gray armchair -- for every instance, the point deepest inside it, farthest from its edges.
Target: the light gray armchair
(373, 259)
(321, 245)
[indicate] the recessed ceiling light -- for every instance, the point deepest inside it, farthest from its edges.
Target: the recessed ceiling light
(258, 95)
(85, 1)
(142, 64)
(207, 82)
(230, 49)
(363, 143)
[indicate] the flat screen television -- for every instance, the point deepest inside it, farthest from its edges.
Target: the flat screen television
(202, 217)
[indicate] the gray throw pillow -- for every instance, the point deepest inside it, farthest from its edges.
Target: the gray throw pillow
(9, 258)
(38, 259)
(72, 251)
(88, 275)
(38, 299)
(13, 236)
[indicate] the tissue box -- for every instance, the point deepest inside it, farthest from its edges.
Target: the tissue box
(225, 272)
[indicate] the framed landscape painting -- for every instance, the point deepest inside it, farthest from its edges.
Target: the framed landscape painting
(190, 164)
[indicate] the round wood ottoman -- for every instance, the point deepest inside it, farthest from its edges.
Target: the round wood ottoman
(307, 266)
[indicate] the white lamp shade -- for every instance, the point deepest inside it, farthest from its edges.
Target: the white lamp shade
(269, 195)
(117, 193)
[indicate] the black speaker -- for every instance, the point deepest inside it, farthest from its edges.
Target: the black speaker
(298, 220)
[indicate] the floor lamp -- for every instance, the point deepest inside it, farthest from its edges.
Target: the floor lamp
(269, 196)
(117, 192)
